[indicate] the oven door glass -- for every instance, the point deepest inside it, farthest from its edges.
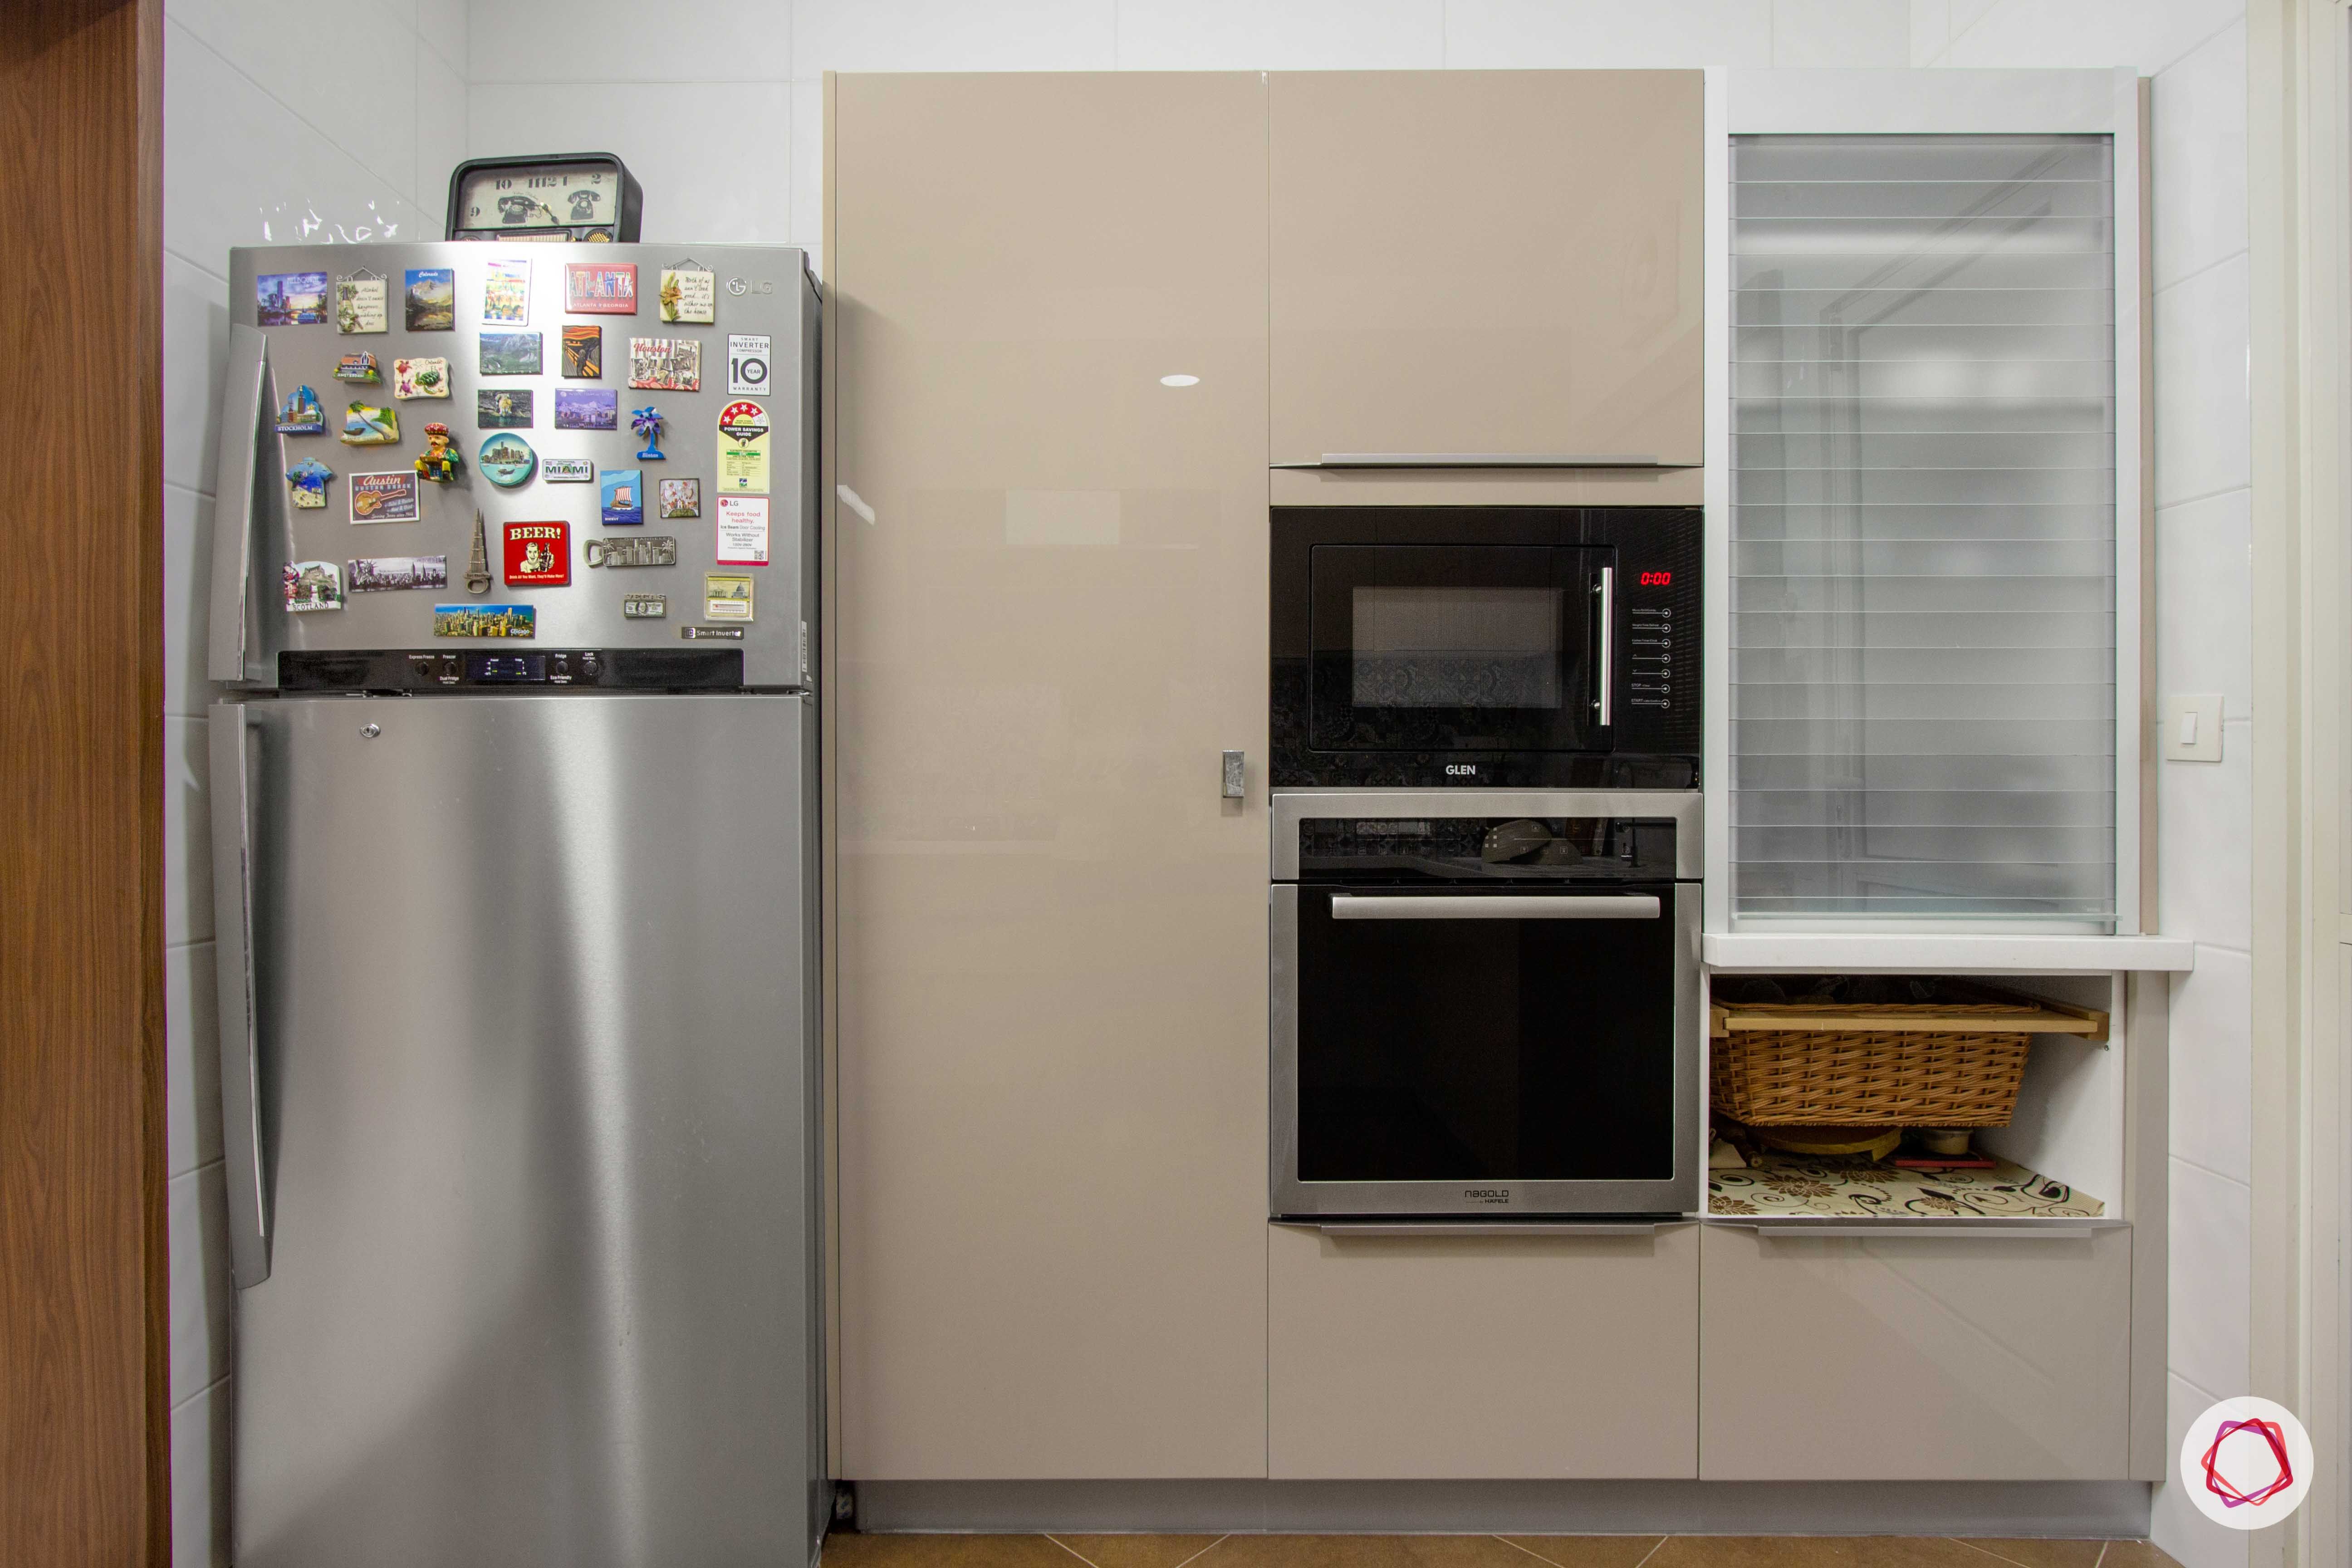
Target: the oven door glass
(1423, 648)
(1465, 1044)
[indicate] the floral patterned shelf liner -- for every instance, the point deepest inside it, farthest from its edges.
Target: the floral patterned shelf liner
(1793, 1185)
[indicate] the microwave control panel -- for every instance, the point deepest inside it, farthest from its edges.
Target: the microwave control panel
(1656, 675)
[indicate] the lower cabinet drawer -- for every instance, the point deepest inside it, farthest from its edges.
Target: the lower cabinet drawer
(1484, 1357)
(1914, 1357)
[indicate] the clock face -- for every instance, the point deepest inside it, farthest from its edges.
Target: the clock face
(552, 196)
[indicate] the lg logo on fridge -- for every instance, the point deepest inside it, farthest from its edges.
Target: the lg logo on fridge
(1462, 769)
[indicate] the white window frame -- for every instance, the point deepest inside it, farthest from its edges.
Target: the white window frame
(1934, 102)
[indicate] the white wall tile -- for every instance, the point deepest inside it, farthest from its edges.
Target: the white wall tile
(709, 41)
(954, 36)
(1306, 34)
(192, 1128)
(696, 188)
(2198, 121)
(2192, 1540)
(1839, 33)
(348, 72)
(187, 583)
(2203, 412)
(2206, 1320)
(200, 1448)
(2171, 29)
(195, 345)
(2204, 607)
(442, 26)
(1931, 31)
(1527, 34)
(2212, 1063)
(201, 1295)
(2204, 813)
(239, 168)
(187, 839)
(807, 226)
(442, 104)
(2149, 34)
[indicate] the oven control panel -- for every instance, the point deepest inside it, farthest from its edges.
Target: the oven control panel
(1488, 848)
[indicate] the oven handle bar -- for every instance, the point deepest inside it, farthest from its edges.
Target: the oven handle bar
(1471, 907)
(1488, 460)
(1505, 1227)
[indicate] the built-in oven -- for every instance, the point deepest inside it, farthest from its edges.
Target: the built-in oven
(1486, 1004)
(1454, 646)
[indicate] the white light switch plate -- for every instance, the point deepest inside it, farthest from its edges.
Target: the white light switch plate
(2192, 727)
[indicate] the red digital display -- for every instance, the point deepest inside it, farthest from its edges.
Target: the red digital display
(1657, 579)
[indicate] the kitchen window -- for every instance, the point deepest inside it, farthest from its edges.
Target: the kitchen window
(1924, 547)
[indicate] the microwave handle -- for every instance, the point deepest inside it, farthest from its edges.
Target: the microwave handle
(1604, 593)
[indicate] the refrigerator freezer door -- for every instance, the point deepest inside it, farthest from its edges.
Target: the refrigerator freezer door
(762, 294)
(531, 999)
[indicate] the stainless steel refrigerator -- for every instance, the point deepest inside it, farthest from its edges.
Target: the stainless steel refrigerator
(518, 989)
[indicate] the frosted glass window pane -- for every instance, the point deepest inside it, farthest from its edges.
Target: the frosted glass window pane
(1923, 660)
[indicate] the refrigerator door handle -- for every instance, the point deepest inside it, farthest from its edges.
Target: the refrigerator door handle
(244, 403)
(240, 1088)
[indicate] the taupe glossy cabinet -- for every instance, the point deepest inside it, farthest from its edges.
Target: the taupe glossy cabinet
(1051, 929)
(1488, 262)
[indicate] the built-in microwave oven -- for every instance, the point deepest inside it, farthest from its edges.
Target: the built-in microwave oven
(1486, 1005)
(1486, 647)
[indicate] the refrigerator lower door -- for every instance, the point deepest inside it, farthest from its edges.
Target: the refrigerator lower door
(531, 1001)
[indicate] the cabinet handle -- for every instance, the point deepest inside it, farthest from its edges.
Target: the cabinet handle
(1898, 1230)
(1488, 460)
(1233, 775)
(1477, 907)
(1500, 1227)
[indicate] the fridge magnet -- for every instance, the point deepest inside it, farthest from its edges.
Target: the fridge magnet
(365, 425)
(586, 408)
(623, 492)
(747, 366)
(644, 607)
(292, 299)
(300, 415)
(506, 293)
(478, 561)
(583, 353)
(384, 574)
(506, 460)
(646, 550)
(431, 298)
(384, 498)
(510, 353)
(600, 288)
(665, 364)
(359, 304)
(647, 422)
(689, 294)
(742, 531)
(420, 378)
(502, 408)
(485, 620)
(313, 585)
(681, 497)
(726, 596)
(360, 368)
(306, 481)
(566, 470)
(538, 554)
(439, 461)
(743, 448)
(711, 633)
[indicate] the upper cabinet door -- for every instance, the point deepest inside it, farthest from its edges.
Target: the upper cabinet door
(1488, 262)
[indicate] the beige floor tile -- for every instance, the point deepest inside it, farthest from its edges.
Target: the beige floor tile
(1815, 1552)
(2137, 1554)
(1137, 1551)
(944, 1551)
(2041, 1553)
(1587, 1550)
(1363, 1551)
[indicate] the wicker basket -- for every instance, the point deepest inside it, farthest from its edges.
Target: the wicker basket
(1940, 1064)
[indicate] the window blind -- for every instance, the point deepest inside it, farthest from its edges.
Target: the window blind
(1922, 685)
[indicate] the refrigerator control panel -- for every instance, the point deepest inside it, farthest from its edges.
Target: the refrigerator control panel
(622, 669)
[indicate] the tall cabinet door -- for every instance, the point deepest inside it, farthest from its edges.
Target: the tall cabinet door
(1051, 618)
(1487, 262)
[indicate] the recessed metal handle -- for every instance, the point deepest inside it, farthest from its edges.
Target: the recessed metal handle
(1488, 460)
(245, 402)
(1475, 907)
(1605, 612)
(1500, 1227)
(1233, 775)
(1942, 1229)
(240, 1077)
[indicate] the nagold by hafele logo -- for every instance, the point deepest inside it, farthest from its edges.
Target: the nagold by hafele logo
(1485, 1195)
